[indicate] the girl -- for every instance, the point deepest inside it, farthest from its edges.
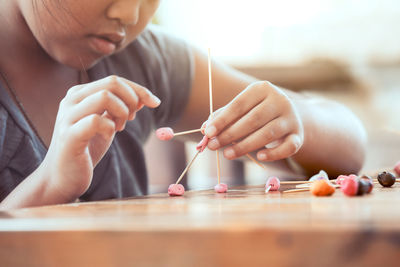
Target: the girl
(83, 83)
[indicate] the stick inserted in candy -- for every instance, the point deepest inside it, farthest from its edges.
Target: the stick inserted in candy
(273, 183)
(166, 133)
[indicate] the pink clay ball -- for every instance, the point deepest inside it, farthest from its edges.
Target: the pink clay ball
(274, 182)
(176, 190)
(165, 133)
(221, 188)
(349, 186)
(397, 168)
(341, 178)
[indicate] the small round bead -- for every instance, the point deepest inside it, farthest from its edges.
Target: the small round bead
(349, 187)
(221, 188)
(274, 182)
(176, 190)
(386, 179)
(370, 182)
(363, 187)
(165, 133)
(322, 175)
(397, 168)
(341, 178)
(322, 188)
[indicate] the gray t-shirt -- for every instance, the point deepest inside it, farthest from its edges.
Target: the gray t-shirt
(155, 60)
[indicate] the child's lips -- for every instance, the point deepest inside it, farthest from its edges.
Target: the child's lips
(102, 46)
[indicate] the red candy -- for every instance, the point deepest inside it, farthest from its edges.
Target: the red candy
(176, 190)
(274, 184)
(221, 188)
(349, 186)
(397, 168)
(203, 144)
(165, 133)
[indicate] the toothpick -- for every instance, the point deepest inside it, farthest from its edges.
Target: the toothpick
(187, 167)
(296, 190)
(267, 189)
(211, 110)
(296, 182)
(256, 162)
(187, 132)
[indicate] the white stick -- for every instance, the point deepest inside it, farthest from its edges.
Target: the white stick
(187, 167)
(187, 132)
(267, 189)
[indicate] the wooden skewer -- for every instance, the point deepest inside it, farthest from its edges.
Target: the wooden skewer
(187, 132)
(211, 110)
(256, 162)
(267, 189)
(187, 167)
(296, 182)
(296, 190)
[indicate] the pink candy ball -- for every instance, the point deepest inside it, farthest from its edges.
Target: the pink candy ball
(176, 190)
(165, 133)
(341, 178)
(274, 183)
(397, 168)
(349, 186)
(221, 188)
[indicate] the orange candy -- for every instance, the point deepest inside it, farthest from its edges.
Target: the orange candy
(322, 188)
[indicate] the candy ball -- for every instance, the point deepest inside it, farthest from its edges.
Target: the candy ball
(349, 187)
(369, 180)
(397, 168)
(165, 133)
(322, 188)
(274, 183)
(363, 187)
(386, 179)
(322, 175)
(221, 188)
(176, 190)
(341, 178)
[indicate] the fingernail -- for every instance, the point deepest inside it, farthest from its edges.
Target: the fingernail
(262, 156)
(229, 153)
(211, 131)
(156, 99)
(214, 143)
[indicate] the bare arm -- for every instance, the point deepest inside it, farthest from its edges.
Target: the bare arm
(316, 133)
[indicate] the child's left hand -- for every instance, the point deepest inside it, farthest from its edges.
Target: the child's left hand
(258, 116)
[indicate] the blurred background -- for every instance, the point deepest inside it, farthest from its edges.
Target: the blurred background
(346, 50)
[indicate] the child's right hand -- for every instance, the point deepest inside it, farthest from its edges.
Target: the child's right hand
(87, 120)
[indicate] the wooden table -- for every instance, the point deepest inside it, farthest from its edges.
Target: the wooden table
(244, 227)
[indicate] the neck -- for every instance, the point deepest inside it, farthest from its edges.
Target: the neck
(20, 52)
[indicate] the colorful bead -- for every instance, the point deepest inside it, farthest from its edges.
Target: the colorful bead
(176, 190)
(165, 133)
(322, 175)
(386, 179)
(274, 184)
(349, 187)
(397, 168)
(322, 188)
(221, 188)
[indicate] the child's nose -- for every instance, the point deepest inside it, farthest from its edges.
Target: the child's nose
(126, 11)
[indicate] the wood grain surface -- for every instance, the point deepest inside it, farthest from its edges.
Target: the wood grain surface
(244, 227)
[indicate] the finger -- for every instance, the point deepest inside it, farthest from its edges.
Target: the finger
(145, 95)
(121, 88)
(249, 123)
(274, 130)
(85, 129)
(98, 103)
(239, 106)
(289, 147)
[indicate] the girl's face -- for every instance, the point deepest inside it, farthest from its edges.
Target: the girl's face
(78, 33)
